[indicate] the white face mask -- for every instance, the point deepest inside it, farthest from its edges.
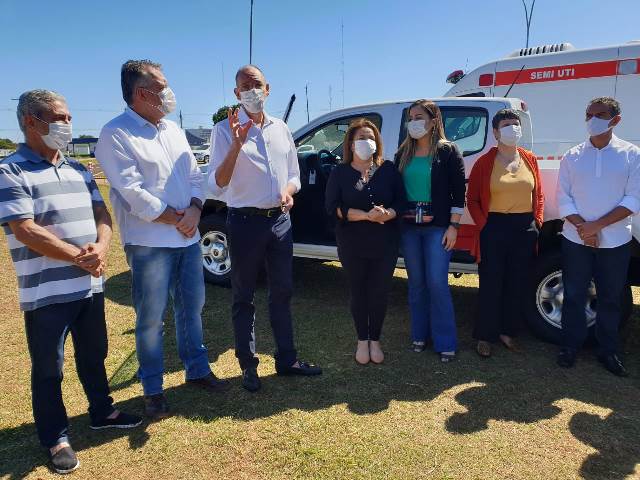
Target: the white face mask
(59, 136)
(510, 135)
(364, 149)
(597, 126)
(167, 100)
(417, 128)
(253, 100)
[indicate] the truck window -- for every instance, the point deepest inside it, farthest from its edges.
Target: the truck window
(331, 135)
(466, 126)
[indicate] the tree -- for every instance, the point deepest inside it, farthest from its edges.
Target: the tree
(85, 136)
(221, 114)
(6, 144)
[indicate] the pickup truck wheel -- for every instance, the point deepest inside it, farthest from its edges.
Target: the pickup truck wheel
(214, 244)
(544, 311)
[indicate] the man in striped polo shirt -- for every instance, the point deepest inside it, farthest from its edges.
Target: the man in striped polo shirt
(58, 230)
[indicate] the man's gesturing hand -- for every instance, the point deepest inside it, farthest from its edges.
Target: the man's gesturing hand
(238, 132)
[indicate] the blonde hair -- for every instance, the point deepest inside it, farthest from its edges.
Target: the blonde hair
(407, 149)
(357, 124)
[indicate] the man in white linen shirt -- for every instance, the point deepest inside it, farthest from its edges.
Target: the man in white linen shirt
(254, 168)
(156, 192)
(598, 192)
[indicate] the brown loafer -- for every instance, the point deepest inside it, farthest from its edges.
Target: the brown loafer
(211, 383)
(484, 349)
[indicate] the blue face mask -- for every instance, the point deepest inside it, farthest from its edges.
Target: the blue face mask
(59, 136)
(597, 126)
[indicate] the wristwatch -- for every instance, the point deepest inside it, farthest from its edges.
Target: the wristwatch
(455, 225)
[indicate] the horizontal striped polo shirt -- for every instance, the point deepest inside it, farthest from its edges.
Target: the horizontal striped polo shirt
(59, 198)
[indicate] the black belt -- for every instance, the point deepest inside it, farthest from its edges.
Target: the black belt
(264, 212)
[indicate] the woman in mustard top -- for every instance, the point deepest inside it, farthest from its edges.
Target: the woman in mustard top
(505, 201)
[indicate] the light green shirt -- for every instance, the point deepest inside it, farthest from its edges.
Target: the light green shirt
(417, 179)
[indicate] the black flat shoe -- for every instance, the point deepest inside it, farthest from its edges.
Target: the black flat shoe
(303, 368)
(250, 379)
(418, 347)
(123, 420)
(64, 460)
(566, 358)
(614, 365)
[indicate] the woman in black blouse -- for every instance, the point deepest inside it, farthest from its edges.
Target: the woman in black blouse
(366, 194)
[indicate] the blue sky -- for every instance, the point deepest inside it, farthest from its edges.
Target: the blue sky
(393, 49)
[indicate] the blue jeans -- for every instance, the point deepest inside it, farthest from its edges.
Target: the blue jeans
(157, 274)
(427, 264)
(608, 268)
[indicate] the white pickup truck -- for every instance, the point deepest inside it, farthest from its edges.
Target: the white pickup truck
(467, 122)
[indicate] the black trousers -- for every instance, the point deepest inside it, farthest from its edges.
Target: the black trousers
(47, 328)
(507, 249)
(257, 241)
(369, 282)
(608, 268)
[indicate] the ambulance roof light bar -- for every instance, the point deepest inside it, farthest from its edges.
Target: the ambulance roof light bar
(553, 48)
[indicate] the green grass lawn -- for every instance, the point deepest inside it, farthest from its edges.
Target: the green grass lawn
(509, 417)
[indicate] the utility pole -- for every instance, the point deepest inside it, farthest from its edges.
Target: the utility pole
(306, 92)
(527, 16)
(330, 98)
(342, 57)
(251, 34)
(181, 119)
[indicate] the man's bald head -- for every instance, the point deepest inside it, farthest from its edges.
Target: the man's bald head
(251, 71)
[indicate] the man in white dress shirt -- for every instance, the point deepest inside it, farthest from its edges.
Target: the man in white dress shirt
(156, 192)
(254, 168)
(598, 192)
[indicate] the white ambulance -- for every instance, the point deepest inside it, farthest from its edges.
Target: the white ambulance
(556, 82)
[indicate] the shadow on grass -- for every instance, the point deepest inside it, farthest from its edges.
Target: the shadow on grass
(523, 388)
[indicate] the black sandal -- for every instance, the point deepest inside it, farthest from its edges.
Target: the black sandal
(447, 357)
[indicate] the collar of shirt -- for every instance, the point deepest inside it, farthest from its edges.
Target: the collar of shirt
(143, 121)
(244, 118)
(26, 152)
(611, 148)
(613, 143)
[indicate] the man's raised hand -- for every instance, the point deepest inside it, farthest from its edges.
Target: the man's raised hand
(238, 132)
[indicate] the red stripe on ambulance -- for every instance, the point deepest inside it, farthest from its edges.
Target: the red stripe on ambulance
(558, 73)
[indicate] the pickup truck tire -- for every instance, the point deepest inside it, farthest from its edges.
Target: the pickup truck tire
(544, 308)
(214, 244)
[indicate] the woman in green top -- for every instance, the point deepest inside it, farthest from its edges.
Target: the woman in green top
(433, 173)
